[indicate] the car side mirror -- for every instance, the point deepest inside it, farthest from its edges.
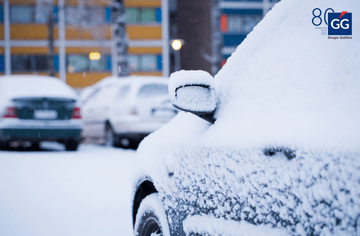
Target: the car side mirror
(193, 91)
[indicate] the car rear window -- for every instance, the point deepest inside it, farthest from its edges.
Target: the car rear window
(153, 90)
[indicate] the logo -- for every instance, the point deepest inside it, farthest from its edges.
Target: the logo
(337, 25)
(340, 23)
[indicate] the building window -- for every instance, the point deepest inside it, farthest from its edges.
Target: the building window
(97, 65)
(41, 17)
(77, 63)
(148, 62)
(234, 24)
(26, 63)
(85, 16)
(41, 63)
(2, 63)
(82, 63)
(1, 13)
(140, 15)
(148, 15)
(30, 14)
(133, 62)
(243, 24)
(22, 14)
(132, 15)
(143, 62)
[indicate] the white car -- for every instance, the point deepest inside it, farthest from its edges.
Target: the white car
(38, 108)
(122, 111)
(268, 146)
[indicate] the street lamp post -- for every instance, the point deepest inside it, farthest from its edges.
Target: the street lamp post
(176, 44)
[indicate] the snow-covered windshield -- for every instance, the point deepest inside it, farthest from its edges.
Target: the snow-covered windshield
(153, 90)
(289, 83)
(123, 92)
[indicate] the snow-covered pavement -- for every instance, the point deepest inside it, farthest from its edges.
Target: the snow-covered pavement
(54, 192)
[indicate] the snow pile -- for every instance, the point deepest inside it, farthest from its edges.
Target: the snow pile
(55, 192)
(34, 86)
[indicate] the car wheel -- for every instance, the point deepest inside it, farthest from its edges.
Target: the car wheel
(71, 145)
(133, 144)
(110, 137)
(4, 146)
(151, 218)
(35, 146)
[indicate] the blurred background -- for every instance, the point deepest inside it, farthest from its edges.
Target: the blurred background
(84, 41)
(117, 55)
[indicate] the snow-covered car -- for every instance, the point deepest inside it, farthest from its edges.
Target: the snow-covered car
(38, 108)
(122, 111)
(270, 145)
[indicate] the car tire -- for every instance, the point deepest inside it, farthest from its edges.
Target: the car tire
(35, 146)
(4, 146)
(151, 218)
(110, 137)
(71, 145)
(134, 144)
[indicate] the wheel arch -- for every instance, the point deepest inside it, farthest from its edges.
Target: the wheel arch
(144, 188)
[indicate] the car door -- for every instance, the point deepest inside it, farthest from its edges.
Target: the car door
(88, 114)
(102, 108)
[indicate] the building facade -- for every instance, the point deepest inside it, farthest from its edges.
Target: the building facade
(238, 18)
(84, 52)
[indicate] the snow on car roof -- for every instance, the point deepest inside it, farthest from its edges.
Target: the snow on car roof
(287, 84)
(132, 79)
(34, 86)
(137, 80)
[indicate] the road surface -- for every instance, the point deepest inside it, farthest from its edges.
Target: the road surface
(51, 192)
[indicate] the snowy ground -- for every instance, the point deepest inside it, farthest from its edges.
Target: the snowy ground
(54, 192)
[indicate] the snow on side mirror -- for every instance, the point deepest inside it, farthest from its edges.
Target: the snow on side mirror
(193, 91)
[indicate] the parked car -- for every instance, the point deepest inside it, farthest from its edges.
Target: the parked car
(269, 146)
(122, 111)
(38, 108)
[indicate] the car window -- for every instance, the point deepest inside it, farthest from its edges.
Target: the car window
(106, 94)
(92, 95)
(152, 90)
(123, 92)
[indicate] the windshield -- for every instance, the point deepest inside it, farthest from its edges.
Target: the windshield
(153, 90)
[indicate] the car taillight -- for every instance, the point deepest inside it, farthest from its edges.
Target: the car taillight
(76, 113)
(10, 112)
